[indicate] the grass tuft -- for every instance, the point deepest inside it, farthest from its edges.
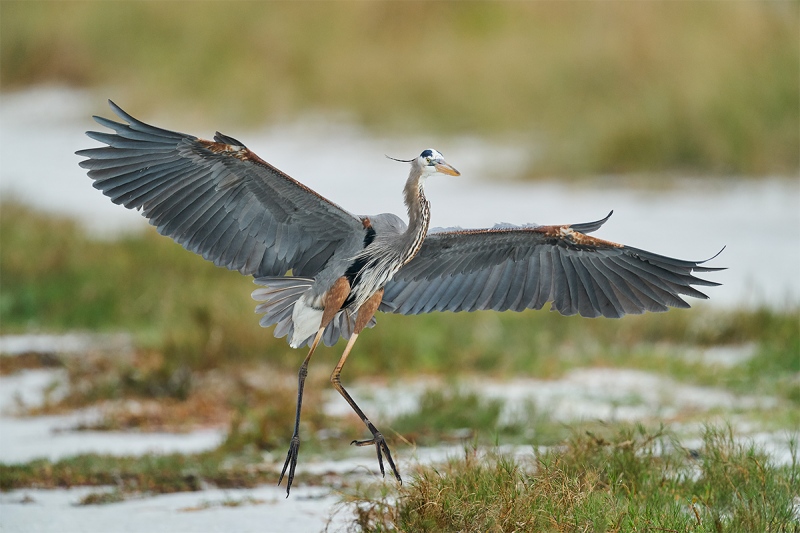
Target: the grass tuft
(158, 474)
(446, 414)
(629, 479)
(102, 497)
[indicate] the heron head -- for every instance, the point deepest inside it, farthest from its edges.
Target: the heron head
(432, 162)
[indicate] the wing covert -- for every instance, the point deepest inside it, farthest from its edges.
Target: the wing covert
(524, 267)
(218, 199)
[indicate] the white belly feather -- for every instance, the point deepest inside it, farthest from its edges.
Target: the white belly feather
(306, 321)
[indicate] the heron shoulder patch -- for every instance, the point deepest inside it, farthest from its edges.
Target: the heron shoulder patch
(237, 151)
(566, 233)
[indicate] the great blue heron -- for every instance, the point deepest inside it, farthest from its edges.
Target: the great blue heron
(220, 200)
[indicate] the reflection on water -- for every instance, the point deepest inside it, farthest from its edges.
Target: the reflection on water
(757, 221)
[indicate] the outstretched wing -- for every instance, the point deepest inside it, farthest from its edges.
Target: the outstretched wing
(521, 267)
(218, 199)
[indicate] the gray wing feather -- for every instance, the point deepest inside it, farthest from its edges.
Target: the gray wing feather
(218, 199)
(524, 267)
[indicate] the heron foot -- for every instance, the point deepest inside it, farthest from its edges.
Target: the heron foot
(382, 449)
(291, 463)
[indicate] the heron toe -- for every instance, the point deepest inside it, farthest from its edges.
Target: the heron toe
(382, 449)
(291, 463)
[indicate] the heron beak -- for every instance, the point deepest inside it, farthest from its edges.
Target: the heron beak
(442, 166)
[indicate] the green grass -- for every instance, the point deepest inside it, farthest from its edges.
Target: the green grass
(52, 277)
(629, 479)
(154, 474)
(448, 413)
(611, 87)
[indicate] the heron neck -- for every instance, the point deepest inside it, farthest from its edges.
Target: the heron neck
(418, 208)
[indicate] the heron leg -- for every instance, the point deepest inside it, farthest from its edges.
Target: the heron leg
(365, 313)
(294, 444)
(333, 301)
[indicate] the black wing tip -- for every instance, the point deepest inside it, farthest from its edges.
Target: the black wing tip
(694, 266)
(114, 107)
(121, 113)
(711, 269)
(227, 139)
(698, 268)
(87, 152)
(588, 227)
(103, 121)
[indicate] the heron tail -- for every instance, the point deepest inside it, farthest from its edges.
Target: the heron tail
(278, 296)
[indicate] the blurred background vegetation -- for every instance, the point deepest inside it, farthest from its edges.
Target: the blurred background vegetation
(707, 88)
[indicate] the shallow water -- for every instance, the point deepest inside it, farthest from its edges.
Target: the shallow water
(54, 437)
(757, 220)
(261, 510)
